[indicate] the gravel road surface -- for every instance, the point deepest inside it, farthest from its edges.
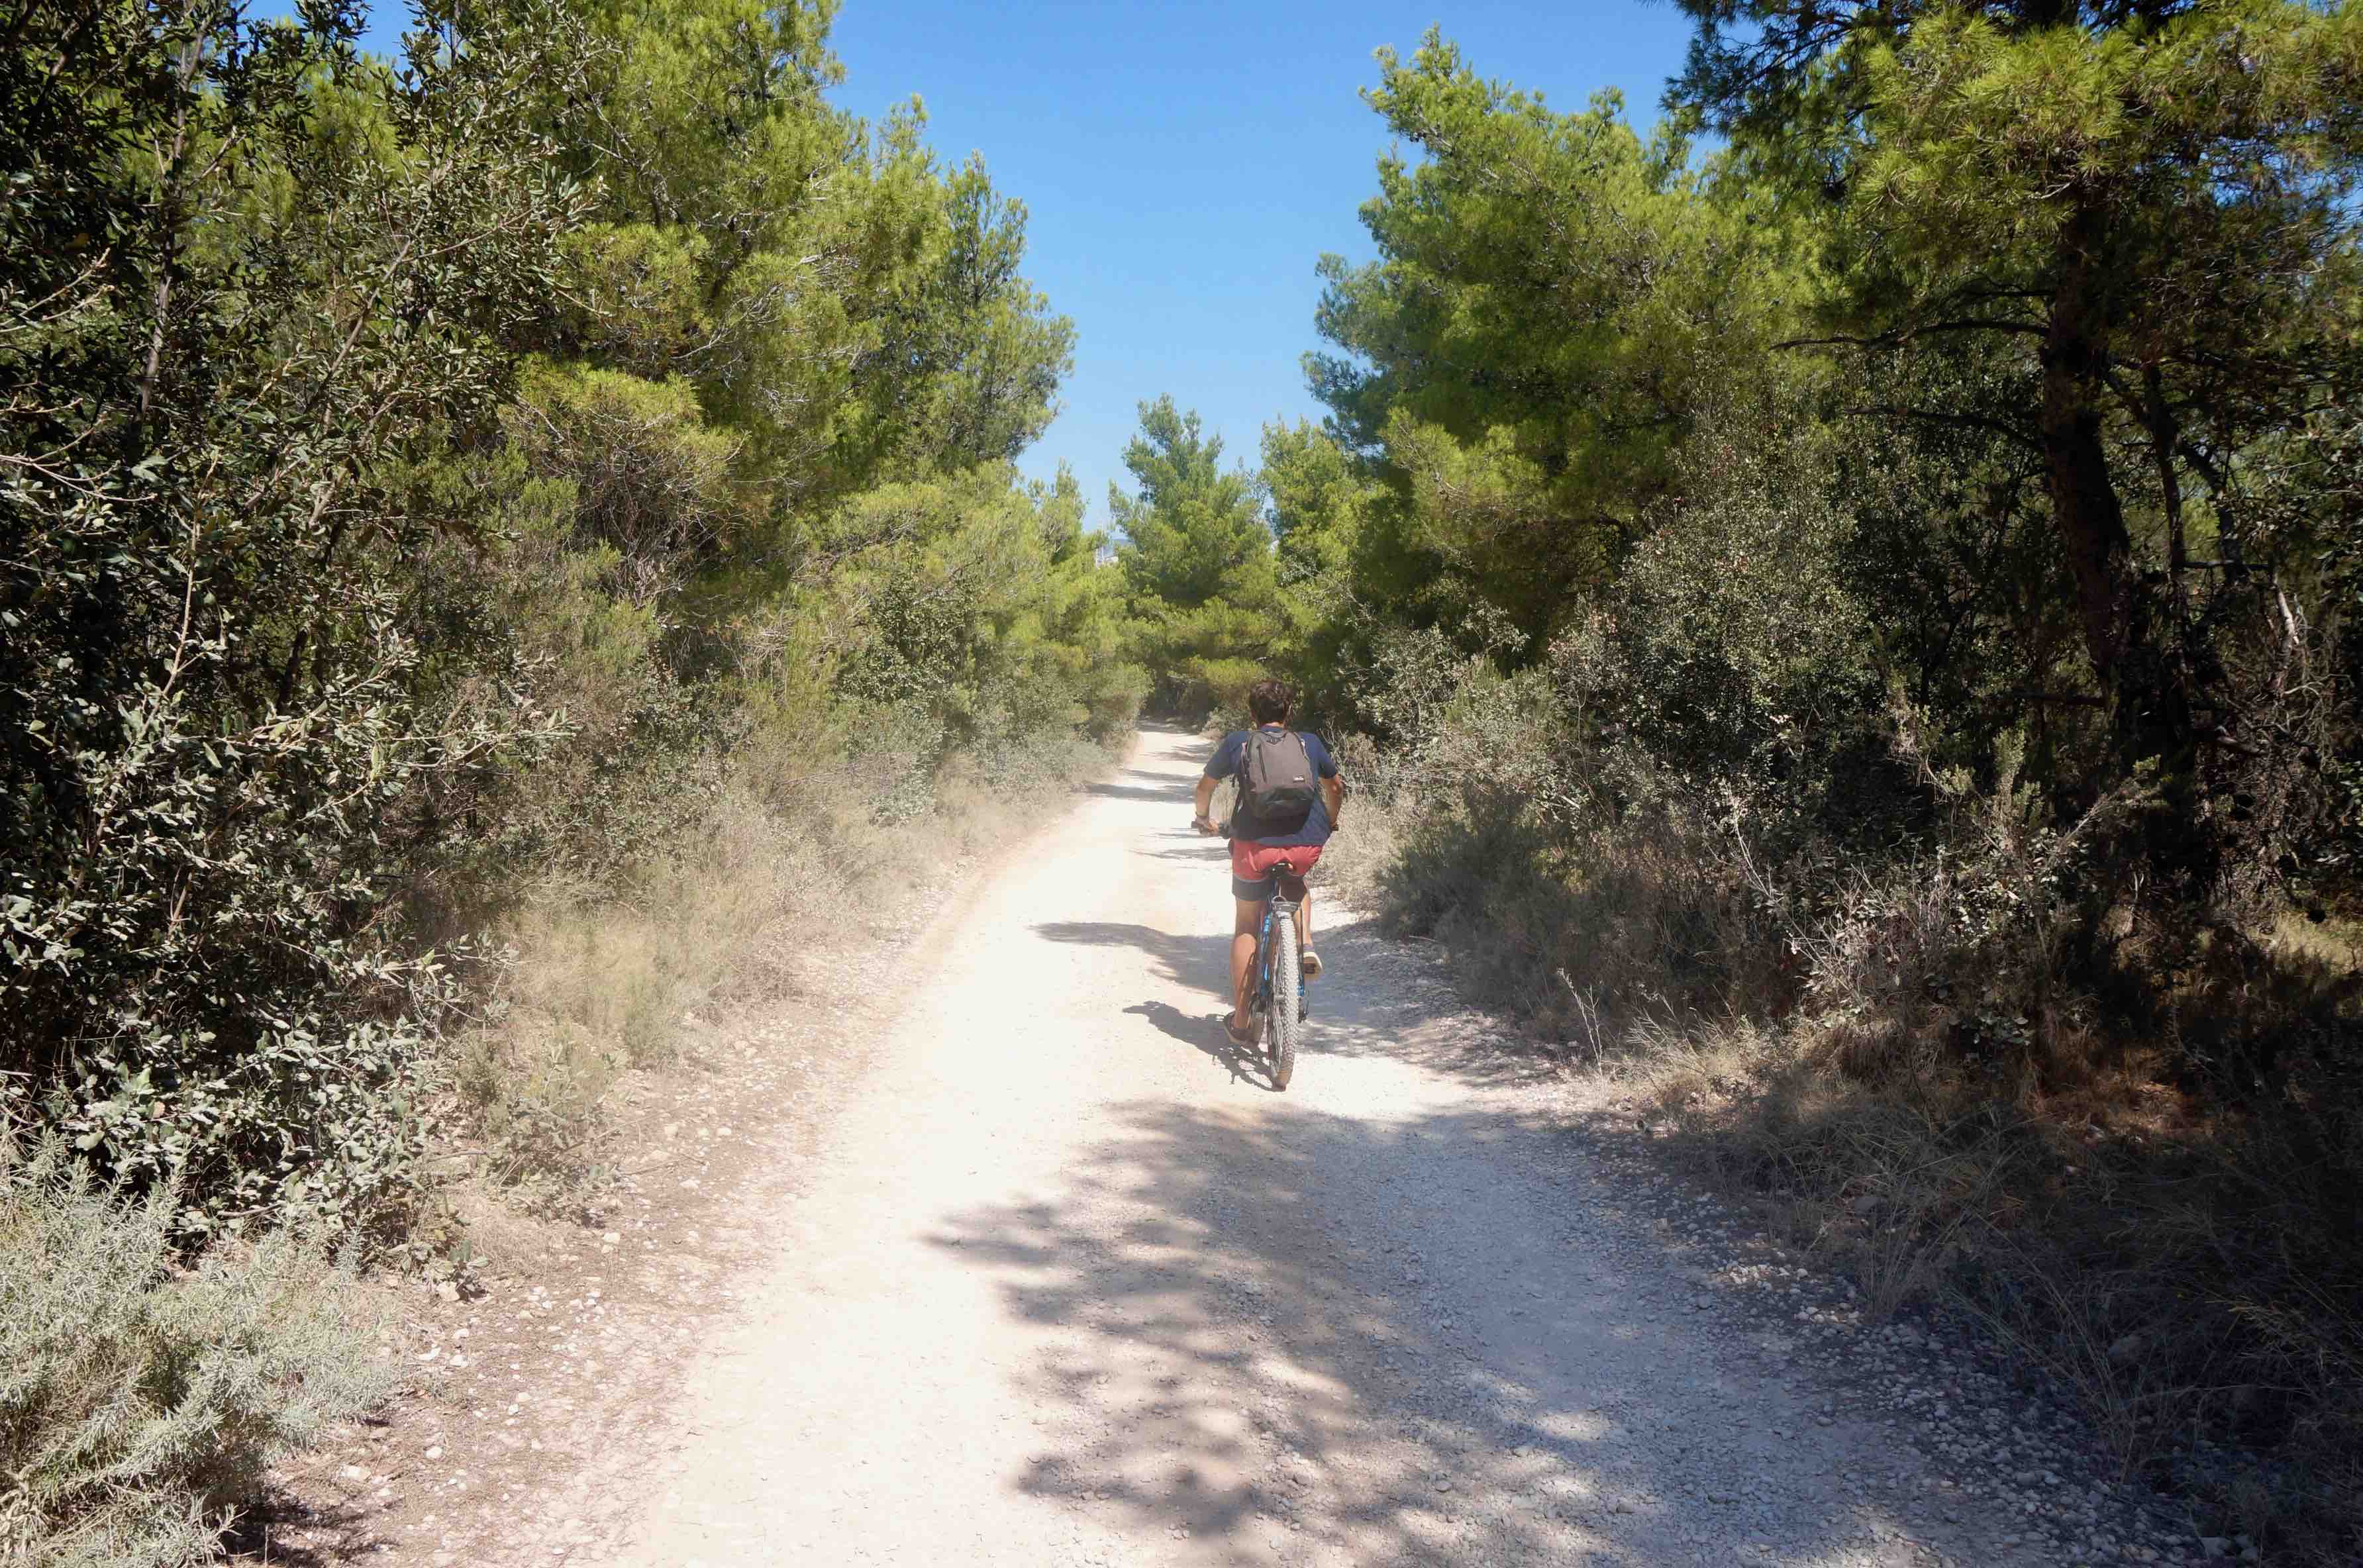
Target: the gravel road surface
(1067, 1283)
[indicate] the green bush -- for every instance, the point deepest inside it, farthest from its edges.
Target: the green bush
(216, 710)
(1111, 700)
(435, 552)
(141, 1402)
(1963, 1058)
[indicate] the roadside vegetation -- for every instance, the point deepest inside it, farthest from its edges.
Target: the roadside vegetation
(1851, 627)
(1839, 607)
(489, 542)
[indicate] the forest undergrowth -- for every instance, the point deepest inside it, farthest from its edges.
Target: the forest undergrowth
(1841, 606)
(780, 878)
(500, 549)
(1927, 1072)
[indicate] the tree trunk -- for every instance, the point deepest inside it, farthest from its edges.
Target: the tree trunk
(2149, 707)
(2084, 505)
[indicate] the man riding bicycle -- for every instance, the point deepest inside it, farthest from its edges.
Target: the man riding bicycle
(1289, 799)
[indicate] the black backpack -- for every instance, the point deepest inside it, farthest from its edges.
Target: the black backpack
(1277, 788)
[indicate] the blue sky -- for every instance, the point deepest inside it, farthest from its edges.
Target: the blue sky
(1184, 166)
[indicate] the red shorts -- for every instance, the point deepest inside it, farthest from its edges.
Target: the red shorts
(1251, 865)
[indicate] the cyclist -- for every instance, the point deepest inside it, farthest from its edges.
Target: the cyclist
(1289, 799)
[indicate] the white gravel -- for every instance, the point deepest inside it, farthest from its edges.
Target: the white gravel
(1069, 1285)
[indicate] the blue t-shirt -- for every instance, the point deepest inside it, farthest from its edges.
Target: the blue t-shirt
(1224, 764)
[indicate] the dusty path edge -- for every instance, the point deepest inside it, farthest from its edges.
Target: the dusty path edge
(440, 1475)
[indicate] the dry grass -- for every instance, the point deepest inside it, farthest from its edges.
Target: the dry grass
(2188, 1277)
(2191, 1286)
(794, 864)
(2137, 1157)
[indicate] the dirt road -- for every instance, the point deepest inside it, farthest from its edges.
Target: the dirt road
(1068, 1285)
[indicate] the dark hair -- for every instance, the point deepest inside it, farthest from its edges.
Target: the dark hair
(1268, 701)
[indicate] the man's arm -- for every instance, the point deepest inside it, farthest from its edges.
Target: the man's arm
(1332, 781)
(1204, 802)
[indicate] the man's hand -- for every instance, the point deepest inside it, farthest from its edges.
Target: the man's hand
(1202, 807)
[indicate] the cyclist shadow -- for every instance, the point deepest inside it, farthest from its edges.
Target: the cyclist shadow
(1206, 1031)
(1200, 962)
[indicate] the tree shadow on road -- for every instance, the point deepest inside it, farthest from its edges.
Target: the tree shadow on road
(1150, 786)
(1351, 1015)
(1199, 961)
(1263, 1334)
(298, 1532)
(1207, 851)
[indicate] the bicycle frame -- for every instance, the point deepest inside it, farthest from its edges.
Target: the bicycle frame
(1280, 906)
(1283, 904)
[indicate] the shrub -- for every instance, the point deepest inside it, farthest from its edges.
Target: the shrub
(1980, 1068)
(1111, 700)
(534, 1084)
(1733, 672)
(803, 843)
(142, 1403)
(212, 694)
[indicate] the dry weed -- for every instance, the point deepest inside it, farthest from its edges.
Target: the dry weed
(792, 861)
(1991, 1074)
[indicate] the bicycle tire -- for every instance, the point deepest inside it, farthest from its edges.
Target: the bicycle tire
(1285, 1023)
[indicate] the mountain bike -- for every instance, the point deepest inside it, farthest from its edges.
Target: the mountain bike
(1279, 1006)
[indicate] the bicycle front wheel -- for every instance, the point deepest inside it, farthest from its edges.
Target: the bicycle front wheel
(1285, 1023)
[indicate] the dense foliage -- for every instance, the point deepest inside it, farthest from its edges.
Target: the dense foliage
(248, 280)
(1197, 561)
(1994, 380)
(1874, 603)
(418, 487)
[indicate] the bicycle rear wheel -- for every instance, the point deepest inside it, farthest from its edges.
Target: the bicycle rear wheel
(1285, 1023)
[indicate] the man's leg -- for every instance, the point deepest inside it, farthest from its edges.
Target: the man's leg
(1247, 920)
(1304, 922)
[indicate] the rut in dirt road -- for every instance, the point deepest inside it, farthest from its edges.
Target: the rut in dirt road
(1069, 1284)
